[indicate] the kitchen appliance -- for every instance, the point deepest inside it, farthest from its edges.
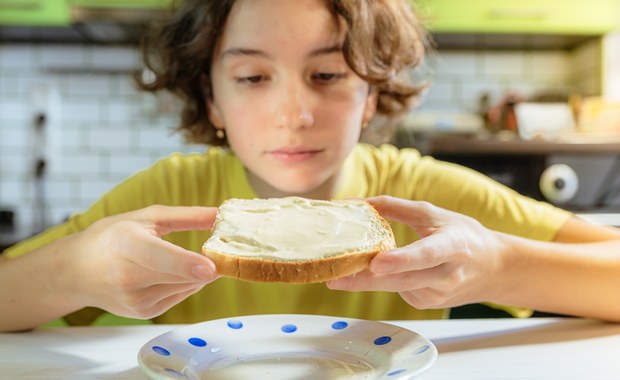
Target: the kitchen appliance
(580, 176)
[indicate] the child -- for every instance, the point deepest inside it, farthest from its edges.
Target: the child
(289, 86)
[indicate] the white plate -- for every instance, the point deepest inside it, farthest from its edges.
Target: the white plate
(287, 347)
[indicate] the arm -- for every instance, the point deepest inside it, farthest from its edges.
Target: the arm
(119, 264)
(459, 261)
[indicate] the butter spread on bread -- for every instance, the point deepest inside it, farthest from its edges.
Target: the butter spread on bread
(295, 239)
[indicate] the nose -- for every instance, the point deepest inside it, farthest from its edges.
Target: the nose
(294, 110)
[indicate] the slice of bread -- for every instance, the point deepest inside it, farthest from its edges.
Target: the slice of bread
(295, 240)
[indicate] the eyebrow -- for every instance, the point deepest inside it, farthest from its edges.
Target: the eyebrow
(232, 52)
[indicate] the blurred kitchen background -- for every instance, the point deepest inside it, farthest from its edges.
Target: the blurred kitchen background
(527, 91)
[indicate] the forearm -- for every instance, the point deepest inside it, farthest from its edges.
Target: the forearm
(37, 287)
(575, 279)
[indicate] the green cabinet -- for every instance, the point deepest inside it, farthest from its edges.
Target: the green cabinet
(34, 12)
(122, 3)
(587, 17)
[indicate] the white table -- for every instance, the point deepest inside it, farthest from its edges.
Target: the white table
(545, 348)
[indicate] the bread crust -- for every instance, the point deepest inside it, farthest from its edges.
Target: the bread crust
(265, 269)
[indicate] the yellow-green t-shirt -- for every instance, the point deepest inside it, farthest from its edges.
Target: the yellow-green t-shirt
(209, 178)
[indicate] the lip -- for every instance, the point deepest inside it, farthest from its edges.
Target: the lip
(294, 154)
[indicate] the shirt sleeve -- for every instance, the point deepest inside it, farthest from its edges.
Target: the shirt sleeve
(460, 189)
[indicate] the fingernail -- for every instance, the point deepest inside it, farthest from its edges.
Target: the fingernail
(383, 266)
(202, 272)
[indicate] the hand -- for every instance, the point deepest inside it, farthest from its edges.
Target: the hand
(123, 266)
(456, 260)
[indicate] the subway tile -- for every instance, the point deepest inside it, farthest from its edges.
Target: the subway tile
(88, 85)
(89, 165)
(73, 138)
(10, 193)
(164, 138)
(124, 85)
(81, 109)
(502, 64)
(548, 67)
(116, 58)
(110, 138)
(442, 90)
(63, 57)
(17, 56)
(124, 110)
(124, 165)
(457, 63)
(15, 135)
(14, 110)
(16, 165)
(60, 189)
(90, 190)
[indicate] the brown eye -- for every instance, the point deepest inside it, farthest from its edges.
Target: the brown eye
(327, 77)
(254, 79)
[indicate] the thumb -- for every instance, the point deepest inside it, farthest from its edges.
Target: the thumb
(421, 216)
(167, 219)
(404, 210)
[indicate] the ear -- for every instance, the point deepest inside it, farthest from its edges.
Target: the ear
(215, 115)
(370, 107)
(213, 111)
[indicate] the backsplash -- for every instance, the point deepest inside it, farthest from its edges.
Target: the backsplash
(460, 77)
(99, 129)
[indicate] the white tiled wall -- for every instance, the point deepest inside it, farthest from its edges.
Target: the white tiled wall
(460, 77)
(101, 129)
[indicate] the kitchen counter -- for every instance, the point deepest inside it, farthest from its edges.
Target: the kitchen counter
(536, 348)
(463, 144)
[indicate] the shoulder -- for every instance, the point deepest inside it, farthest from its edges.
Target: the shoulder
(181, 164)
(385, 153)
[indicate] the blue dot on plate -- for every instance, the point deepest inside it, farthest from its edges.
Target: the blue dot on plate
(340, 325)
(160, 350)
(422, 349)
(288, 328)
(380, 341)
(397, 372)
(197, 342)
(235, 324)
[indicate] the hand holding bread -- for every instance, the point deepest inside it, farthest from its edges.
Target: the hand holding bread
(296, 240)
(456, 260)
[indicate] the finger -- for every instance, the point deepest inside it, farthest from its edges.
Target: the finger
(425, 253)
(168, 302)
(427, 298)
(164, 257)
(147, 278)
(168, 219)
(153, 295)
(368, 281)
(404, 210)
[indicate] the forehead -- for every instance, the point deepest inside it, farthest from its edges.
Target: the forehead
(280, 23)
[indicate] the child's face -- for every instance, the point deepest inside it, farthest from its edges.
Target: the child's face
(291, 106)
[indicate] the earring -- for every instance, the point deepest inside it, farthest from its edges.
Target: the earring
(220, 134)
(364, 124)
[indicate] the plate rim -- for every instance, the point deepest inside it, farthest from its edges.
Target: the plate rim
(431, 350)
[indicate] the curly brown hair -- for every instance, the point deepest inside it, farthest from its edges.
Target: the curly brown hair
(383, 39)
